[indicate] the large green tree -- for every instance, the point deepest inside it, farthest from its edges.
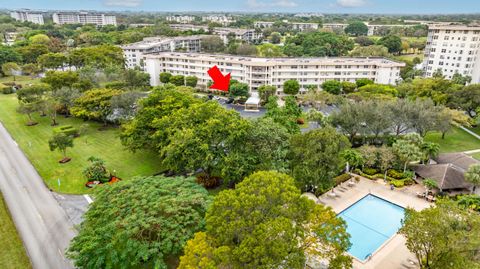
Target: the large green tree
(315, 158)
(201, 136)
(392, 42)
(139, 133)
(139, 223)
(473, 175)
(266, 223)
(291, 87)
(94, 104)
(318, 44)
(443, 236)
(357, 28)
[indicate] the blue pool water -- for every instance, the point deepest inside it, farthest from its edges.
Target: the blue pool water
(371, 221)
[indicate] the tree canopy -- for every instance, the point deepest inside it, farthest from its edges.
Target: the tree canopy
(245, 231)
(139, 223)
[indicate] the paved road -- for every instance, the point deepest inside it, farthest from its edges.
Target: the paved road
(41, 222)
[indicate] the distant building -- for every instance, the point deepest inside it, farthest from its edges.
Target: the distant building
(188, 27)
(180, 19)
(263, 24)
(308, 15)
(256, 71)
(138, 25)
(335, 27)
(298, 26)
(453, 49)
(304, 26)
(135, 53)
(99, 19)
(247, 35)
(9, 38)
(221, 19)
(27, 15)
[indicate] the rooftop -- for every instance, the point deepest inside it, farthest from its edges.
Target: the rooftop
(150, 42)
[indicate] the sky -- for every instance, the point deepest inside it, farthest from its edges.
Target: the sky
(322, 6)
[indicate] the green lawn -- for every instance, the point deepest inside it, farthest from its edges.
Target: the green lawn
(12, 253)
(103, 144)
(456, 140)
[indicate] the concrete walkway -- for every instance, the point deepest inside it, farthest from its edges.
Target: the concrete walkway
(470, 132)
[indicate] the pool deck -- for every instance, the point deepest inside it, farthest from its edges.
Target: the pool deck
(393, 253)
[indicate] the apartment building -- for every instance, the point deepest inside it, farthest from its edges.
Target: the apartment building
(188, 27)
(453, 49)
(247, 35)
(221, 19)
(335, 27)
(99, 19)
(273, 71)
(27, 15)
(135, 53)
(304, 26)
(184, 19)
(298, 26)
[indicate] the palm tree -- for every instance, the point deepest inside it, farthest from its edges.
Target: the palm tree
(353, 158)
(430, 150)
(429, 184)
(473, 175)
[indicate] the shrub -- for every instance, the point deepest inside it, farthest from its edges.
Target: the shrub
(115, 85)
(207, 181)
(408, 181)
(6, 90)
(342, 178)
(398, 183)
(395, 174)
(370, 171)
(67, 130)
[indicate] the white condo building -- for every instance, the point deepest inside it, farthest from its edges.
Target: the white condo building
(453, 49)
(135, 53)
(99, 19)
(273, 71)
(27, 15)
(180, 19)
(299, 26)
(247, 35)
(221, 19)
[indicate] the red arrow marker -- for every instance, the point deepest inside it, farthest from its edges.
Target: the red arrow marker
(220, 82)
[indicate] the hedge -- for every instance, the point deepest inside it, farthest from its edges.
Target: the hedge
(67, 130)
(342, 178)
(398, 183)
(6, 90)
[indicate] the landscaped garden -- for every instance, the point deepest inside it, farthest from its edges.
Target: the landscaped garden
(104, 144)
(12, 255)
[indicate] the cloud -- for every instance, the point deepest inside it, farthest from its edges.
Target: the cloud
(122, 3)
(275, 3)
(351, 3)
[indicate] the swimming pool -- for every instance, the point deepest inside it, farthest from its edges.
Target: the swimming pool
(371, 221)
